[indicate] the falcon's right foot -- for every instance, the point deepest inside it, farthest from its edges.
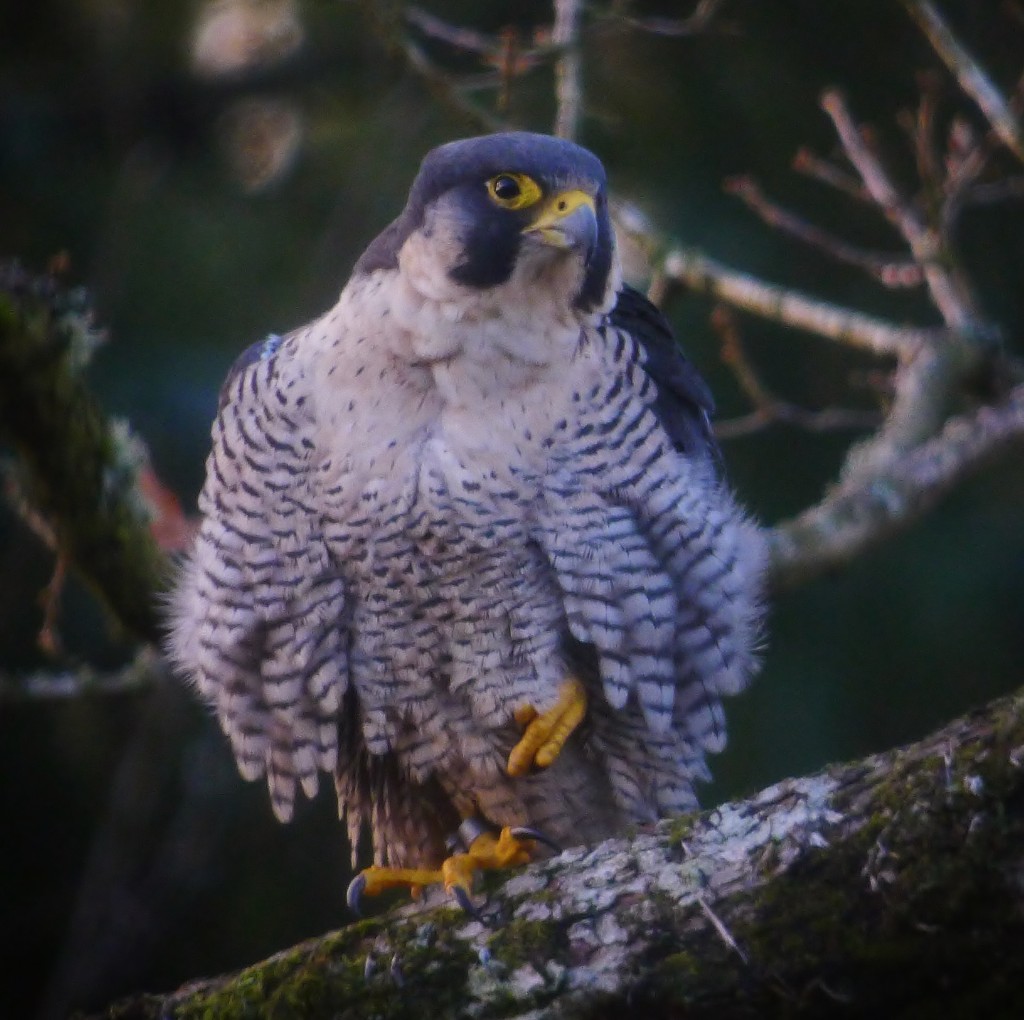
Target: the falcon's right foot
(547, 732)
(485, 852)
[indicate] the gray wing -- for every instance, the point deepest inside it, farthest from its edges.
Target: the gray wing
(659, 570)
(257, 614)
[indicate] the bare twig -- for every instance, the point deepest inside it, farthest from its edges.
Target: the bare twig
(677, 28)
(807, 163)
(50, 600)
(720, 928)
(147, 668)
(446, 90)
(970, 74)
(458, 36)
(569, 68)
(723, 321)
(967, 155)
(920, 129)
(948, 289)
(828, 419)
(768, 408)
(889, 270)
(794, 308)
(1008, 189)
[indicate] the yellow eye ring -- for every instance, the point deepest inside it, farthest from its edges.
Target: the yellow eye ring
(514, 191)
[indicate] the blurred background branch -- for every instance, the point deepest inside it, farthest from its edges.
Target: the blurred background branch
(79, 484)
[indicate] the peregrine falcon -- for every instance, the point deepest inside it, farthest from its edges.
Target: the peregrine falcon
(465, 545)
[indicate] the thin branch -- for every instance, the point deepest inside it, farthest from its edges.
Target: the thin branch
(447, 92)
(969, 74)
(966, 159)
(457, 36)
(768, 408)
(724, 323)
(920, 128)
(723, 932)
(48, 638)
(147, 668)
(887, 269)
(1008, 189)
(828, 419)
(677, 28)
(794, 308)
(810, 165)
(948, 289)
(569, 68)
(862, 511)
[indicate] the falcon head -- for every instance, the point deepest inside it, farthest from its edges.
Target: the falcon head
(508, 211)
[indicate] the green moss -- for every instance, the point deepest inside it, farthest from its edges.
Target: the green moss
(928, 847)
(679, 969)
(327, 977)
(681, 828)
(520, 941)
(80, 468)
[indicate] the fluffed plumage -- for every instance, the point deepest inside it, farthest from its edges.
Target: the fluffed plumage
(487, 468)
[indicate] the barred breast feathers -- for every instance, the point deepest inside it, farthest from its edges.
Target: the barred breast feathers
(256, 615)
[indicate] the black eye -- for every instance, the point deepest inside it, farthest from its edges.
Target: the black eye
(514, 191)
(505, 188)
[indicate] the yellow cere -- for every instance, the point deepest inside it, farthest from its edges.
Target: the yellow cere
(514, 191)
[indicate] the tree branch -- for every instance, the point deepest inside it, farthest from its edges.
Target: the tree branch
(147, 668)
(867, 508)
(811, 894)
(82, 467)
(948, 288)
(569, 68)
(706, 275)
(969, 74)
(890, 270)
(767, 407)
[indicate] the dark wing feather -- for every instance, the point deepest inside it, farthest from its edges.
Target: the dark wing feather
(684, 404)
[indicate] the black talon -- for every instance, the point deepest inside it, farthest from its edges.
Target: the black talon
(524, 832)
(355, 893)
(466, 903)
(396, 971)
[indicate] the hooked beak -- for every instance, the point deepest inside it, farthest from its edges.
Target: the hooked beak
(567, 221)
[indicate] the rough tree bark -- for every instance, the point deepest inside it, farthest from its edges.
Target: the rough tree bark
(889, 886)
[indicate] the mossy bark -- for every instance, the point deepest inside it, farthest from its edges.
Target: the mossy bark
(80, 467)
(890, 886)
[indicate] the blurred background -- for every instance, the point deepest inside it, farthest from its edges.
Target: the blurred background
(211, 170)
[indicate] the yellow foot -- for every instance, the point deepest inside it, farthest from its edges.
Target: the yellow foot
(373, 880)
(486, 852)
(546, 734)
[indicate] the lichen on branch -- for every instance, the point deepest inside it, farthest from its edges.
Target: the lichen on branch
(78, 467)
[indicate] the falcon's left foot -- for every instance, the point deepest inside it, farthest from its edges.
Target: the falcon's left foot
(485, 852)
(547, 733)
